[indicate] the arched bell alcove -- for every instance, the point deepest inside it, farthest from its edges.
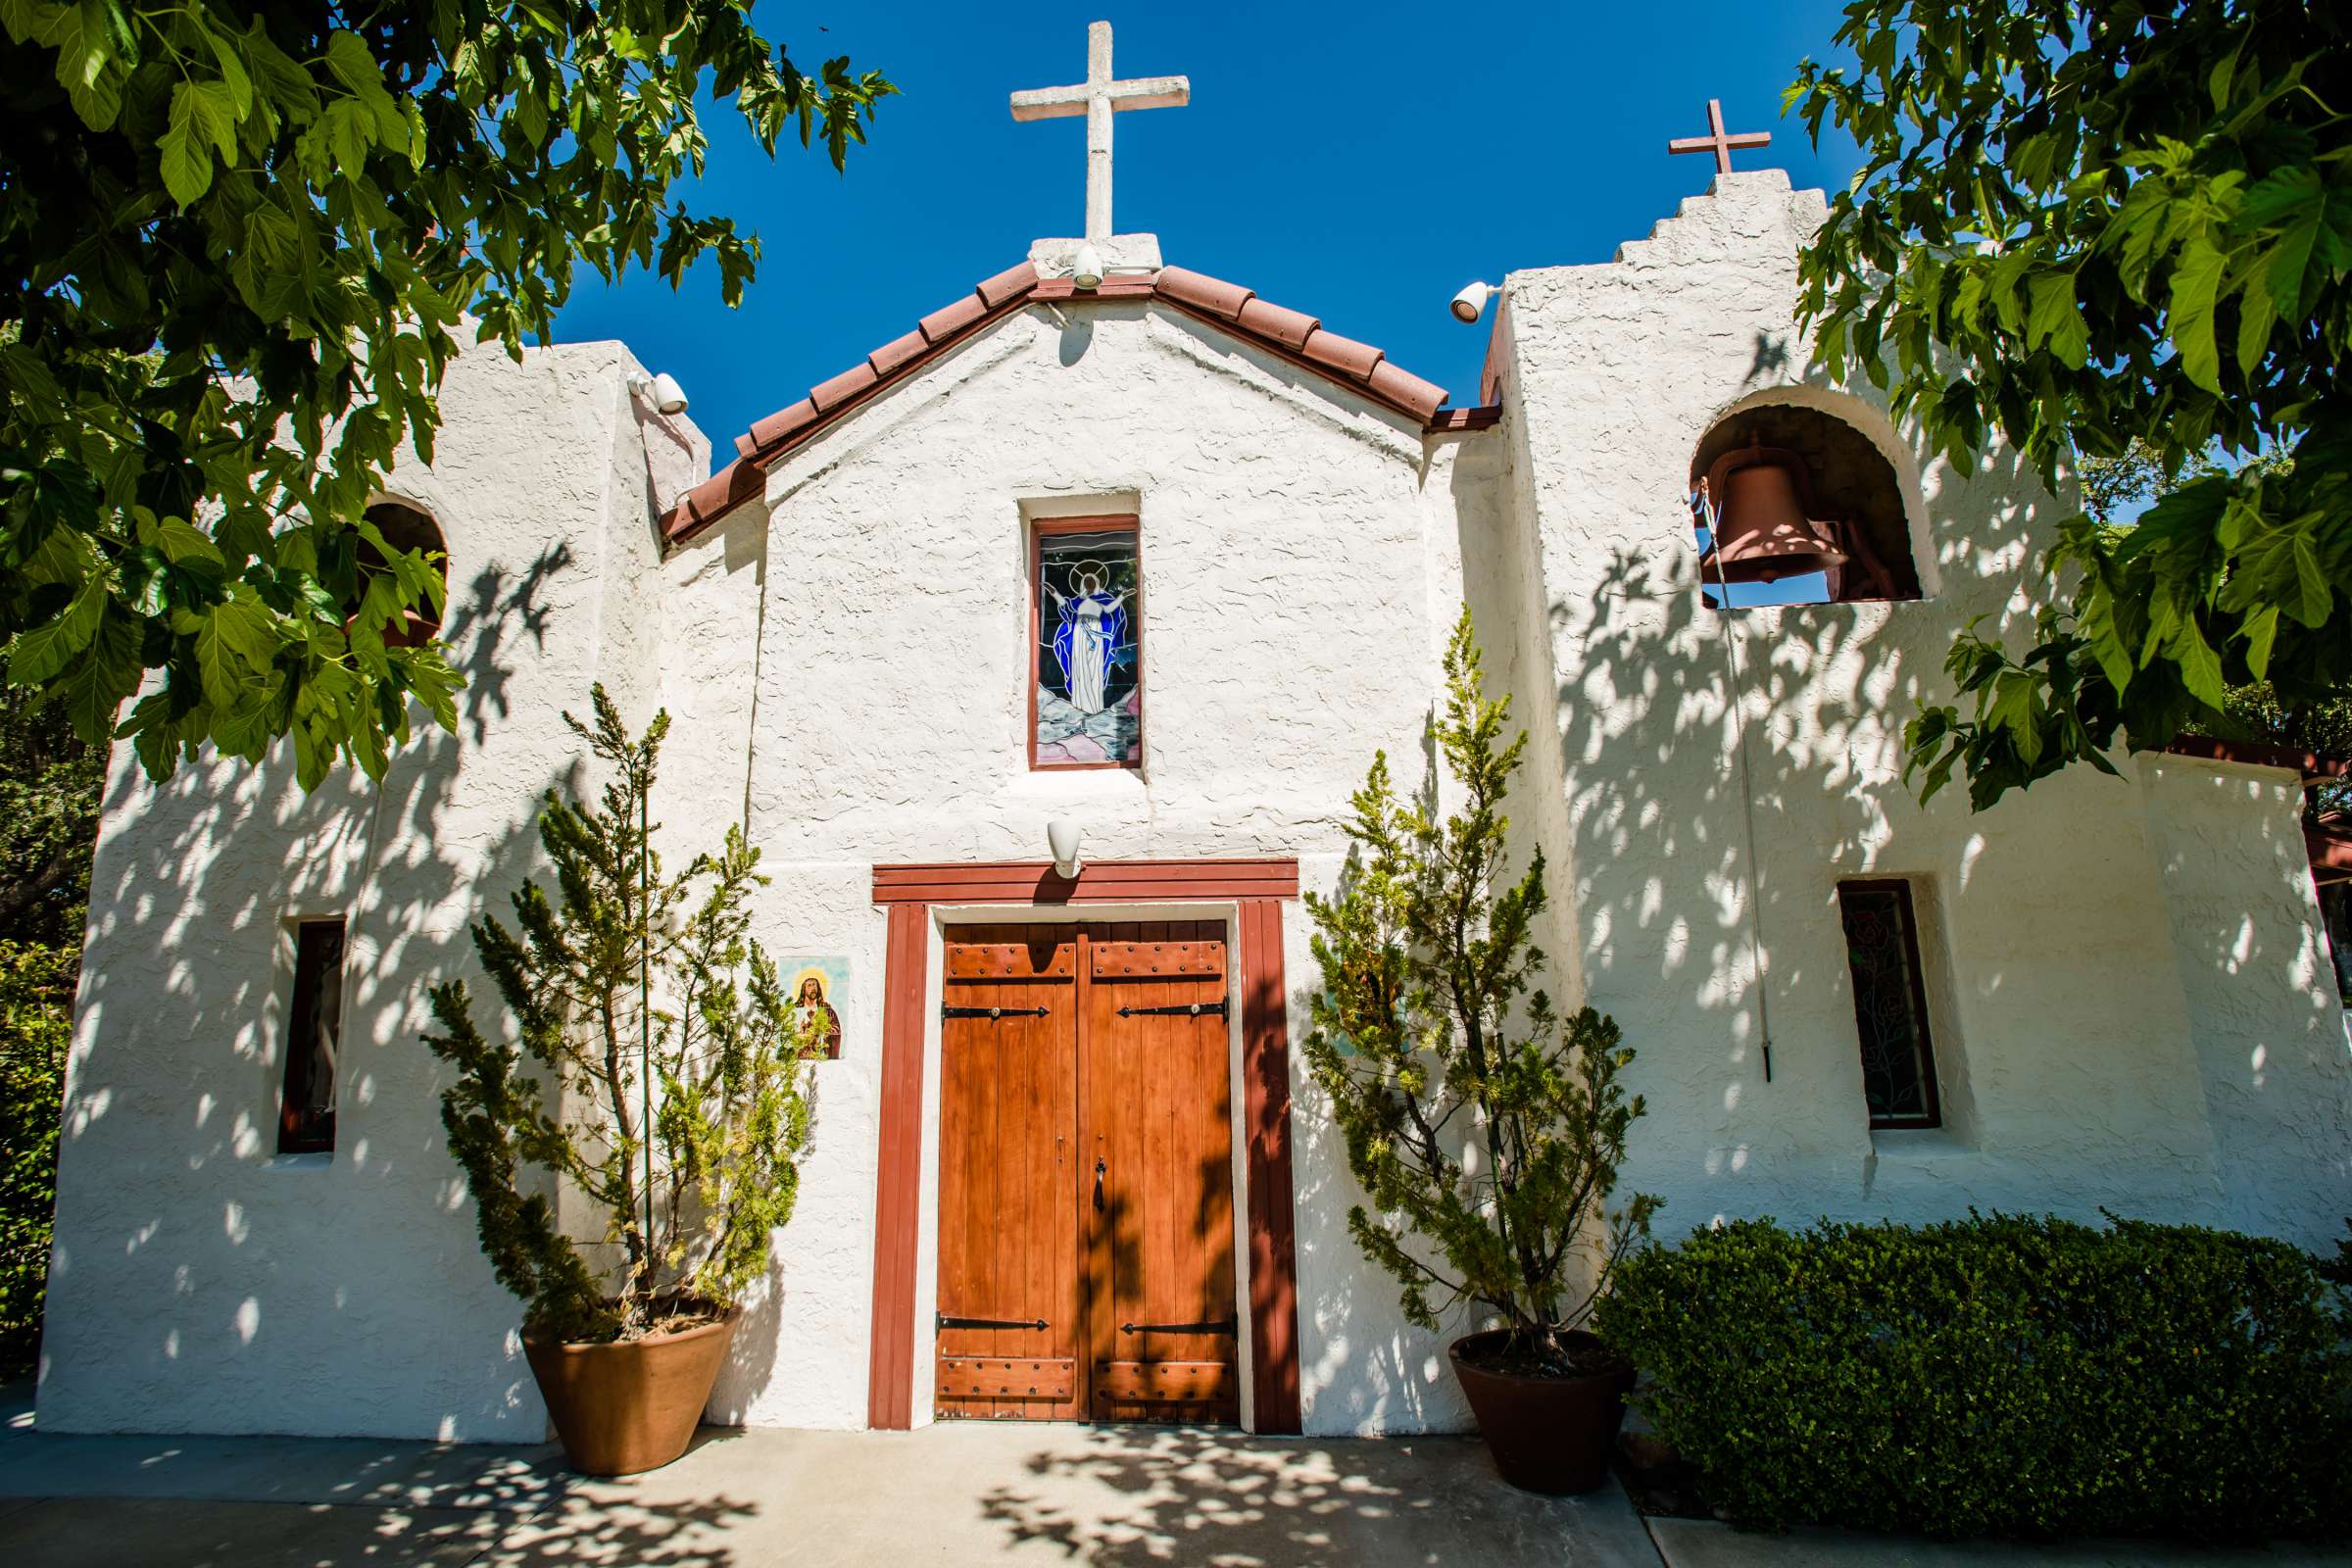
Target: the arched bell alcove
(1798, 491)
(406, 525)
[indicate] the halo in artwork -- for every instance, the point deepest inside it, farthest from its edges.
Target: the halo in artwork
(800, 980)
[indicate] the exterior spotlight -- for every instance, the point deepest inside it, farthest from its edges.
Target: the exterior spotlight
(1087, 270)
(661, 391)
(1061, 836)
(1471, 302)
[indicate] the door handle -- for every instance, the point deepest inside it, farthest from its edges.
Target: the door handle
(1099, 1168)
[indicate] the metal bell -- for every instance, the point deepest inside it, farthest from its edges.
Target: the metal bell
(1763, 530)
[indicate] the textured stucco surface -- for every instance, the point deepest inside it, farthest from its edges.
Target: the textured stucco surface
(2125, 976)
(201, 1282)
(2082, 1015)
(1300, 567)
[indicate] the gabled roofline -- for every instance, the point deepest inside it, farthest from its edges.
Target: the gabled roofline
(1289, 335)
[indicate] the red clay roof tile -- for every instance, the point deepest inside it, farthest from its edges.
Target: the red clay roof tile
(778, 426)
(1402, 386)
(1285, 331)
(725, 490)
(1285, 327)
(1211, 294)
(896, 352)
(1342, 354)
(949, 319)
(831, 394)
(1010, 284)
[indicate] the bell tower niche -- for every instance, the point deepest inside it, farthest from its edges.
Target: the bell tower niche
(1795, 498)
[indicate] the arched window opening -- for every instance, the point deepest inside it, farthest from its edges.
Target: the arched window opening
(405, 527)
(1794, 505)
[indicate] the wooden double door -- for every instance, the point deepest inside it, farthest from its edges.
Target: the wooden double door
(1086, 1265)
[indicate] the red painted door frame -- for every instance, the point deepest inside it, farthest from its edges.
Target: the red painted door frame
(1257, 887)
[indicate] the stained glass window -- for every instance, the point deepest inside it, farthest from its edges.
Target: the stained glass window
(1890, 1003)
(1088, 692)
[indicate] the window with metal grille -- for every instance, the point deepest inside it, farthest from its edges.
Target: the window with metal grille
(306, 1119)
(1890, 1003)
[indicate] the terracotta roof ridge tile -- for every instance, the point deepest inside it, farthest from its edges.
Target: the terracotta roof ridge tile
(1326, 347)
(1291, 334)
(1198, 289)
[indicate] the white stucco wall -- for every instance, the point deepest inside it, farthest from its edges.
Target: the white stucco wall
(1300, 567)
(2264, 1009)
(200, 1282)
(2075, 1019)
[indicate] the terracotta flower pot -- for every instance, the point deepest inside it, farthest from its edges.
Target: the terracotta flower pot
(625, 1407)
(1549, 1435)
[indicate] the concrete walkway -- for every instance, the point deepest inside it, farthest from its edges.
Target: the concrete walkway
(955, 1493)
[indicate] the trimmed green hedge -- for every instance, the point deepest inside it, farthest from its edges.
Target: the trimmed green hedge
(1998, 1376)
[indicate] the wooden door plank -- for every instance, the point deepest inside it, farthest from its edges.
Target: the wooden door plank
(1189, 1382)
(1159, 1096)
(1001, 1207)
(1173, 959)
(1048, 1378)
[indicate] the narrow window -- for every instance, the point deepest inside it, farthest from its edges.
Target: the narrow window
(306, 1120)
(1890, 1003)
(1085, 693)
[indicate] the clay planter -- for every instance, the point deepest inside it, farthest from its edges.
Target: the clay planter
(1547, 1435)
(622, 1408)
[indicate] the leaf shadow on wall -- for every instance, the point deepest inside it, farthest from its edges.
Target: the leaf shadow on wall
(341, 1292)
(1642, 808)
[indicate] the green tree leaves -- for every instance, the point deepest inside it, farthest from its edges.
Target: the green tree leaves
(2081, 227)
(237, 248)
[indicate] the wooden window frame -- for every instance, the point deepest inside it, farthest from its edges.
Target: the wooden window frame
(1915, 970)
(1040, 530)
(297, 1134)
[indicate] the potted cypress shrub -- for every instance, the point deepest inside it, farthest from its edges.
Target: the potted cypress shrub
(681, 1108)
(1486, 1129)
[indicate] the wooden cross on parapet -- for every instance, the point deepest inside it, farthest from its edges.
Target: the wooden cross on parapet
(1098, 98)
(1719, 141)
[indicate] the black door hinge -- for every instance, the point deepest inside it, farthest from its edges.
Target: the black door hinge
(946, 1322)
(993, 1012)
(1223, 1325)
(1189, 1009)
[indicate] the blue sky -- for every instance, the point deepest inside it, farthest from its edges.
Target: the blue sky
(1356, 162)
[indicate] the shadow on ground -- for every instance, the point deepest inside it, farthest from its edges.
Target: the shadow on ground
(1135, 1496)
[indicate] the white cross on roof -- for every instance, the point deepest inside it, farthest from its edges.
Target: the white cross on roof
(1099, 98)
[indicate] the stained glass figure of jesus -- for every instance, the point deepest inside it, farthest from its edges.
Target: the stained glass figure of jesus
(1089, 701)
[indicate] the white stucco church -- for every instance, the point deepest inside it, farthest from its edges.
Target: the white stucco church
(1116, 544)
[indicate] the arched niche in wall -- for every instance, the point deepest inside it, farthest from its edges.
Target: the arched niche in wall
(1810, 508)
(406, 525)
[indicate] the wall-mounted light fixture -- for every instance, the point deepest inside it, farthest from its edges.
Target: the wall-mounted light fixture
(661, 391)
(1061, 836)
(1086, 271)
(1471, 302)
